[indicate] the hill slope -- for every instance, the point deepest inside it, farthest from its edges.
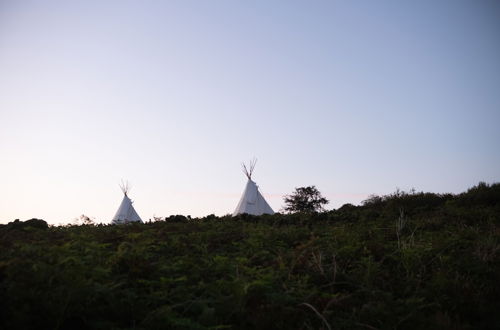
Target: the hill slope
(404, 261)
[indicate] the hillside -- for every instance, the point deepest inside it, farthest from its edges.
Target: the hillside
(404, 261)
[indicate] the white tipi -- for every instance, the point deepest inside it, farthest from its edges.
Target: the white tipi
(126, 212)
(252, 201)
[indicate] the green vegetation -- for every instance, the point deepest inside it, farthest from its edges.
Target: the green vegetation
(404, 261)
(306, 200)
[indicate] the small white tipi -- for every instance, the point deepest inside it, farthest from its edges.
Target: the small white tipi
(126, 212)
(252, 201)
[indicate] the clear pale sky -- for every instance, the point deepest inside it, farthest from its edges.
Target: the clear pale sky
(355, 97)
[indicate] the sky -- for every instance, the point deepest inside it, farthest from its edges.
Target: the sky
(355, 97)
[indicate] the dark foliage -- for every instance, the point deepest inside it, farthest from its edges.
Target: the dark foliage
(404, 261)
(32, 223)
(305, 199)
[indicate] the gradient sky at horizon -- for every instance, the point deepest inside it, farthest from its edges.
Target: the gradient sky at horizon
(355, 97)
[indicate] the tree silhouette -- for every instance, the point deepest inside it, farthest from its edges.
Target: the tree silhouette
(305, 199)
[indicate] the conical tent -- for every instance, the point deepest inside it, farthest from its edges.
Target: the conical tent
(252, 201)
(126, 212)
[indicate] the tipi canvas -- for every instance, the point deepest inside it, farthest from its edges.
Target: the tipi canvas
(126, 212)
(252, 201)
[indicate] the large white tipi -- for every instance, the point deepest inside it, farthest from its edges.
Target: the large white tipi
(126, 212)
(252, 201)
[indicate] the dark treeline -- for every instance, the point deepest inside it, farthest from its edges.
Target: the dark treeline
(408, 260)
